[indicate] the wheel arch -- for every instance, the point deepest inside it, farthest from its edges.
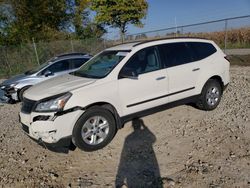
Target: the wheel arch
(219, 79)
(110, 108)
(21, 89)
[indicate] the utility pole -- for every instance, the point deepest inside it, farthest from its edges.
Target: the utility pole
(225, 42)
(176, 29)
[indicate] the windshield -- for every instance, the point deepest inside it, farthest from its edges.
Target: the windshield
(101, 65)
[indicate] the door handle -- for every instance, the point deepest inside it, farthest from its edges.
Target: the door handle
(196, 69)
(161, 78)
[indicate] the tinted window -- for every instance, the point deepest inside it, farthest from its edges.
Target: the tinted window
(144, 61)
(76, 63)
(175, 54)
(201, 50)
(59, 66)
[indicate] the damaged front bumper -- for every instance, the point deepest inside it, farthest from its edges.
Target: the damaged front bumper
(48, 129)
(9, 93)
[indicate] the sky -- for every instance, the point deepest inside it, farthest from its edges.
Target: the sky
(169, 13)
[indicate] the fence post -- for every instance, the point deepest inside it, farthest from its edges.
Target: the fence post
(225, 42)
(104, 43)
(72, 46)
(5, 53)
(34, 45)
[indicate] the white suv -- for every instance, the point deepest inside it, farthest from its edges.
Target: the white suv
(127, 81)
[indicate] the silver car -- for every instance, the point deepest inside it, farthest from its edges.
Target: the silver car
(14, 87)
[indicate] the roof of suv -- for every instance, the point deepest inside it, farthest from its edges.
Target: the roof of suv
(71, 55)
(130, 45)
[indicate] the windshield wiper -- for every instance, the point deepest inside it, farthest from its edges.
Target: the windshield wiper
(84, 75)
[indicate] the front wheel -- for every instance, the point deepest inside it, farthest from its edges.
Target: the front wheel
(210, 96)
(94, 129)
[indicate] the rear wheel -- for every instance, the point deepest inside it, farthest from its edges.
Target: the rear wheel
(94, 129)
(210, 96)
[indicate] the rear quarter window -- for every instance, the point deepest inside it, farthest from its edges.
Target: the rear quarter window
(201, 50)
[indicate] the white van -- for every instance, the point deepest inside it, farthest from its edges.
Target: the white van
(127, 81)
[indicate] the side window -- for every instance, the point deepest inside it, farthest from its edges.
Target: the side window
(76, 63)
(175, 54)
(143, 61)
(58, 66)
(201, 49)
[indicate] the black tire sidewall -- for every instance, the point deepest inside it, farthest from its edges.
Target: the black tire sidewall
(210, 83)
(77, 137)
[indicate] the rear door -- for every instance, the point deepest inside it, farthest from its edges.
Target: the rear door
(149, 89)
(182, 70)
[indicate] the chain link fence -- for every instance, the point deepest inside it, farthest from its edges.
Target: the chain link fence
(227, 33)
(20, 58)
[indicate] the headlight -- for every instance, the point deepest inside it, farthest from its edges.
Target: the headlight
(53, 105)
(13, 85)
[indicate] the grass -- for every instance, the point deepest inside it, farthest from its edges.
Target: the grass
(240, 60)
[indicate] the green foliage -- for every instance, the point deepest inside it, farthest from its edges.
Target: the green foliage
(40, 19)
(16, 59)
(120, 13)
(45, 20)
(84, 28)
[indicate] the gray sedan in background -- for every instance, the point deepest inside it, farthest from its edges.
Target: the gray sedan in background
(14, 87)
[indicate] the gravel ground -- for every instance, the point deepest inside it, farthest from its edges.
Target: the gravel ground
(179, 147)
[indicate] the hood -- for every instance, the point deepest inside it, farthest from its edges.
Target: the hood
(14, 79)
(57, 85)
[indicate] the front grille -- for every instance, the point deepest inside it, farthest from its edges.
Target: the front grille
(25, 128)
(27, 106)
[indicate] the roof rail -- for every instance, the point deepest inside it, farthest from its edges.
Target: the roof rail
(73, 53)
(166, 38)
(130, 42)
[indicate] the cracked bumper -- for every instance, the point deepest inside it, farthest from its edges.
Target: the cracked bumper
(10, 93)
(52, 131)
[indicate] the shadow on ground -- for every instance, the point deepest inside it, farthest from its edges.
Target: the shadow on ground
(138, 164)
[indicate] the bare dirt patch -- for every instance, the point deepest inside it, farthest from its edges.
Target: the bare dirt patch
(179, 147)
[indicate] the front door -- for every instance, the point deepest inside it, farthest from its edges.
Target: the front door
(149, 89)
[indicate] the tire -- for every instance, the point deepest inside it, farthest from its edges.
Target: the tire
(94, 129)
(210, 96)
(21, 92)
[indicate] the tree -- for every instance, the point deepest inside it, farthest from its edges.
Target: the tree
(22, 20)
(84, 27)
(39, 19)
(120, 13)
(80, 15)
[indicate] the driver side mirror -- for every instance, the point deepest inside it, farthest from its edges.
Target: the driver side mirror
(48, 73)
(128, 73)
